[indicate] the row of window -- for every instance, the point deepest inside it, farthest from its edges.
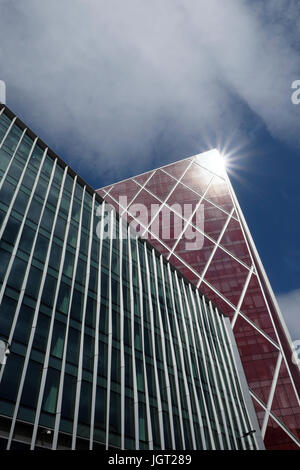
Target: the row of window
(107, 342)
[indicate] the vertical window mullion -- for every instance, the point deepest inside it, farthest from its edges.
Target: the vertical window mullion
(164, 354)
(185, 375)
(8, 130)
(215, 319)
(190, 361)
(192, 294)
(122, 352)
(232, 369)
(47, 354)
(174, 356)
(141, 292)
(159, 404)
(181, 355)
(215, 384)
(134, 374)
(80, 361)
(218, 371)
(64, 356)
(16, 191)
(15, 249)
(97, 327)
(109, 352)
(34, 321)
(201, 338)
(12, 158)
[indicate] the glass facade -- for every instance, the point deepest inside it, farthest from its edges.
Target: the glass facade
(110, 346)
(200, 202)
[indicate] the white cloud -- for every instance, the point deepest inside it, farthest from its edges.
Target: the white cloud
(119, 76)
(290, 306)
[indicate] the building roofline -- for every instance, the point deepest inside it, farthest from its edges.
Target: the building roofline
(92, 191)
(43, 145)
(191, 157)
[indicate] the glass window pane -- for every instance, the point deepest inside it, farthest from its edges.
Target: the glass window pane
(81, 272)
(26, 239)
(28, 178)
(41, 188)
(60, 228)
(68, 401)
(53, 196)
(36, 157)
(100, 414)
(7, 312)
(34, 211)
(11, 378)
(73, 346)
(21, 201)
(58, 338)
(91, 311)
(115, 418)
(76, 211)
(47, 166)
(47, 219)
(25, 146)
(33, 283)
(17, 273)
(72, 237)
(31, 384)
(63, 298)
(6, 192)
(4, 160)
(55, 255)
(84, 416)
(11, 141)
(65, 203)
(41, 332)
(68, 264)
(51, 390)
(77, 305)
(5, 257)
(15, 169)
(23, 326)
(41, 248)
(49, 290)
(4, 125)
(11, 230)
(58, 174)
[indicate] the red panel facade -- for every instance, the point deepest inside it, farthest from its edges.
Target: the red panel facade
(192, 217)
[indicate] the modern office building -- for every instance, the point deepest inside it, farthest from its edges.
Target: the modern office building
(194, 219)
(110, 345)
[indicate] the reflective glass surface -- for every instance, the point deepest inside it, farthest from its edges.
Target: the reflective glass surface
(225, 273)
(98, 327)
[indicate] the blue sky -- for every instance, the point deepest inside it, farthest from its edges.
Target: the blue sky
(118, 88)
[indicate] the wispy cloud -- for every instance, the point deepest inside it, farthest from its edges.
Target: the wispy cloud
(290, 307)
(125, 79)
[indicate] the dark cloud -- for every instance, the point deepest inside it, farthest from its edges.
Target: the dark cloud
(108, 80)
